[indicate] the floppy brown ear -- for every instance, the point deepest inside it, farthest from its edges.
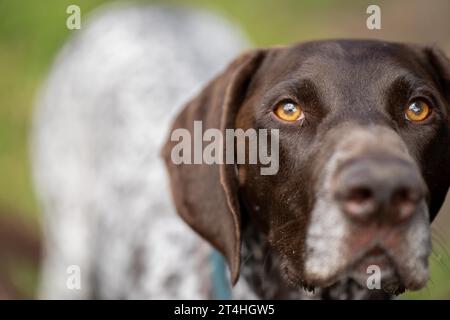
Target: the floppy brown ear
(206, 195)
(440, 66)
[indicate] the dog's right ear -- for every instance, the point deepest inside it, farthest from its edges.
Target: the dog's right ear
(205, 195)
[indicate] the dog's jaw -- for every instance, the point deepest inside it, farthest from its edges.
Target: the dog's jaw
(263, 275)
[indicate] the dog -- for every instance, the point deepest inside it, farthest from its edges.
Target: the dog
(363, 165)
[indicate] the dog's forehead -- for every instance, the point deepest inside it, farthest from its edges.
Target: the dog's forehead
(352, 60)
(352, 51)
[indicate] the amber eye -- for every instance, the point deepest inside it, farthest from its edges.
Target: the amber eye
(288, 111)
(418, 111)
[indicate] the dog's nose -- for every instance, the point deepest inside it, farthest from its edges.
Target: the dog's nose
(385, 188)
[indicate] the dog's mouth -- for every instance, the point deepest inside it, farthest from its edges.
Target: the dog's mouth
(377, 270)
(376, 257)
(373, 274)
(374, 269)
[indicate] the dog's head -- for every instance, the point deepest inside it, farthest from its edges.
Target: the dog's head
(364, 159)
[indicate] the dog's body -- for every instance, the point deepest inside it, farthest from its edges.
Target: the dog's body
(357, 185)
(100, 123)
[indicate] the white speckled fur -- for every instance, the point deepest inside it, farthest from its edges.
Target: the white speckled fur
(99, 124)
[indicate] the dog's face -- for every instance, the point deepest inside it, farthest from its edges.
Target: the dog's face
(364, 161)
(361, 160)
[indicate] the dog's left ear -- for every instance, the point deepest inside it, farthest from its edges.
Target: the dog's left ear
(205, 195)
(440, 71)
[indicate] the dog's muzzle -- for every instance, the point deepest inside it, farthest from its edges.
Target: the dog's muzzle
(370, 214)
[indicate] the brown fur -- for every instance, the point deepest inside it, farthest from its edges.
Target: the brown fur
(218, 204)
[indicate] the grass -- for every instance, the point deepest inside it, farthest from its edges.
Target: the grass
(31, 32)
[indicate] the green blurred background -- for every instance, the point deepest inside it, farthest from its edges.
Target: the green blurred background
(31, 32)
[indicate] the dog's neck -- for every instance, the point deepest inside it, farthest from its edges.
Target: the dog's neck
(260, 269)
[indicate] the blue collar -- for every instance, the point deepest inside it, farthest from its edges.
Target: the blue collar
(220, 284)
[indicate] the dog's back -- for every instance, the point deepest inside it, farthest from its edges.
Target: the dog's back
(99, 125)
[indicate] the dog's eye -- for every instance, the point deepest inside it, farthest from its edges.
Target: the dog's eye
(288, 111)
(418, 111)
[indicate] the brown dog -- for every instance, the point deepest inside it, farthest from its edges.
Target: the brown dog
(364, 165)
